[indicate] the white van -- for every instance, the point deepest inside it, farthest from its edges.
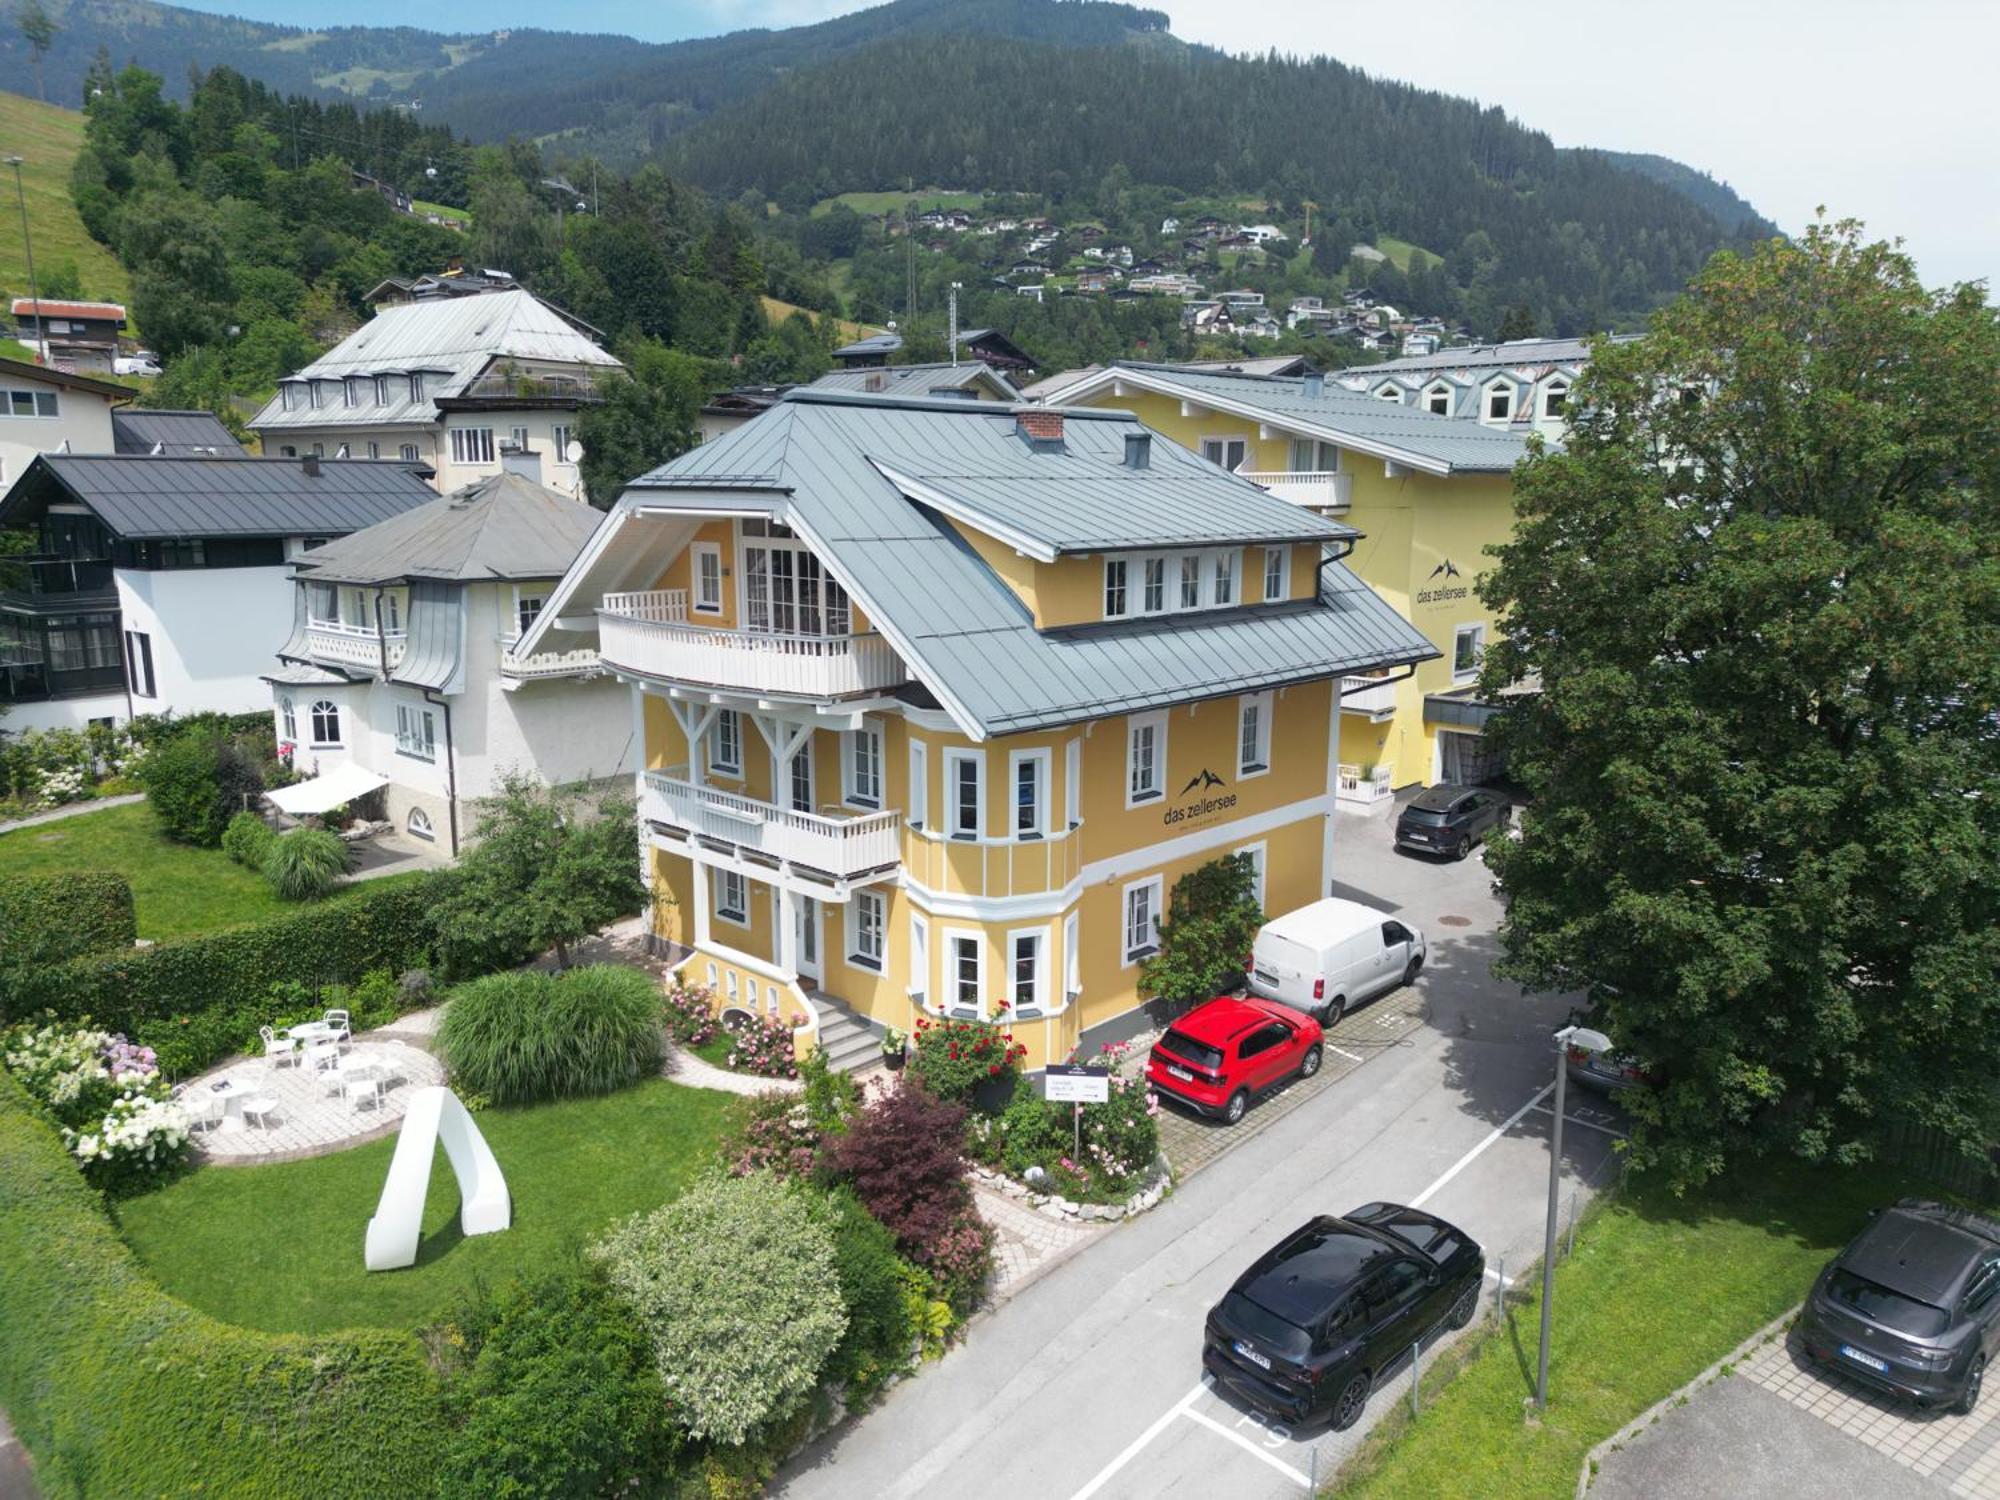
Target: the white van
(1330, 955)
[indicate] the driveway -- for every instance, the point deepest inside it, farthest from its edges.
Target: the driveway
(1087, 1384)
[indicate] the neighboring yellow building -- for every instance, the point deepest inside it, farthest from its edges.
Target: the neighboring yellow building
(1428, 493)
(939, 699)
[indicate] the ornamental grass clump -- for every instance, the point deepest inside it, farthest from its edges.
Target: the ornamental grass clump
(523, 1037)
(305, 864)
(737, 1284)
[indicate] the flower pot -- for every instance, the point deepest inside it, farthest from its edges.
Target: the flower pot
(990, 1095)
(893, 1061)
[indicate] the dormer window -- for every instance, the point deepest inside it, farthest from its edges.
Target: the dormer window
(1390, 393)
(1438, 400)
(417, 385)
(350, 392)
(1117, 601)
(313, 386)
(289, 395)
(1499, 403)
(381, 390)
(1555, 398)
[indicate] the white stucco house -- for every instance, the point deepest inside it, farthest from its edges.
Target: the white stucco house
(447, 382)
(400, 675)
(51, 411)
(159, 582)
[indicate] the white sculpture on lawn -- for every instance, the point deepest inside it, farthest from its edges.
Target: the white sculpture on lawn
(435, 1114)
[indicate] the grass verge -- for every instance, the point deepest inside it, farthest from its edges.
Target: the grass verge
(1659, 1289)
(279, 1247)
(177, 891)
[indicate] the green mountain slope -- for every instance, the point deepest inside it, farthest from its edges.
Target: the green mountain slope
(47, 140)
(1719, 199)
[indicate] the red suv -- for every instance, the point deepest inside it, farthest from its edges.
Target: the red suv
(1219, 1054)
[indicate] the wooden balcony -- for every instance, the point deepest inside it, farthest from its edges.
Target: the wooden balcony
(1321, 490)
(354, 645)
(1372, 697)
(649, 633)
(836, 846)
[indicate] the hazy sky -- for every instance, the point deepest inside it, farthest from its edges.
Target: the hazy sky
(1883, 112)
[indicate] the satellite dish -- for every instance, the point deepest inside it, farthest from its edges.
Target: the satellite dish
(573, 453)
(430, 171)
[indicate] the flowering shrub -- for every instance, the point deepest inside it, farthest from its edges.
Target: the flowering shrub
(690, 1014)
(58, 787)
(775, 1133)
(763, 1047)
(952, 1057)
(47, 767)
(107, 1096)
(1119, 1138)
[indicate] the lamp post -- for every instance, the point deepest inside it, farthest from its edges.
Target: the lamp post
(28, 244)
(1549, 1235)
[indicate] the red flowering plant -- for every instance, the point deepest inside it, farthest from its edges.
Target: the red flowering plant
(951, 1058)
(1100, 1155)
(763, 1046)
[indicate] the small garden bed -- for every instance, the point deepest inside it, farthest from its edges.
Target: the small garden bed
(759, 1047)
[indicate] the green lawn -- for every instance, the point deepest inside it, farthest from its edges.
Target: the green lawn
(279, 1247)
(459, 216)
(1659, 1289)
(47, 138)
(1400, 251)
(177, 890)
(882, 203)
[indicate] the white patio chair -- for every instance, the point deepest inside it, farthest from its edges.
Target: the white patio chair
(258, 1107)
(278, 1046)
(337, 1021)
(205, 1109)
(324, 1060)
(361, 1086)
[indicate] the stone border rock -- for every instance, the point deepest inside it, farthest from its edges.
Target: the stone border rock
(1158, 1180)
(1652, 1414)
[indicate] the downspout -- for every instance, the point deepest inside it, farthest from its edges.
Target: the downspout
(450, 770)
(381, 641)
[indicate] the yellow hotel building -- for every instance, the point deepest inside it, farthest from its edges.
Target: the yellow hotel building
(940, 698)
(1427, 492)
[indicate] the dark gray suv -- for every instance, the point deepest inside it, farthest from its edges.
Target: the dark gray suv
(1913, 1305)
(1450, 819)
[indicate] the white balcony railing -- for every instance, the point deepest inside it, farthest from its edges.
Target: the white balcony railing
(354, 645)
(1363, 787)
(648, 633)
(1317, 490)
(578, 663)
(840, 845)
(1368, 695)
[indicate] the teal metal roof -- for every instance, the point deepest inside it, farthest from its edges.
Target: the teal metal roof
(964, 634)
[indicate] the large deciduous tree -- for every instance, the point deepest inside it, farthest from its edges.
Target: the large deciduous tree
(1760, 586)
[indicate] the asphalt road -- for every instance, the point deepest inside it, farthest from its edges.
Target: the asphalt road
(1089, 1383)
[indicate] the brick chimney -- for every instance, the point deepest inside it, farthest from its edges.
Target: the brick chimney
(1039, 425)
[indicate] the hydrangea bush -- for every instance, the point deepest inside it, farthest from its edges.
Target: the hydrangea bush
(107, 1096)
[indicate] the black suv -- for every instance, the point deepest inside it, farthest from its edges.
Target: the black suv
(1306, 1330)
(1913, 1305)
(1450, 819)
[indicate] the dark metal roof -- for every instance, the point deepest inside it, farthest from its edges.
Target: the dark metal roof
(19, 369)
(504, 527)
(142, 498)
(182, 434)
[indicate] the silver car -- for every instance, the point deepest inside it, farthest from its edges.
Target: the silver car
(1591, 1060)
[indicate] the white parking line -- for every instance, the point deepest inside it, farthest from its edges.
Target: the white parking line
(1184, 1405)
(1344, 1053)
(1138, 1444)
(1249, 1447)
(1579, 1120)
(1477, 1151)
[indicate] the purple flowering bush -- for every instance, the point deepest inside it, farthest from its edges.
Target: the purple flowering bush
(690, 1014)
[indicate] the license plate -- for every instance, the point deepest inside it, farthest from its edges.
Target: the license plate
(1267, 976)
(1865, 1359)
(1180, 1072)
(1251, 1354)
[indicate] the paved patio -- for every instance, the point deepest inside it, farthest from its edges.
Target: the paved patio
(312, 1115)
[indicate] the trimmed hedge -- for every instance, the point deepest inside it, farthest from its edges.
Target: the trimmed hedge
(116, 1388)
(50, 919)
(198, 999)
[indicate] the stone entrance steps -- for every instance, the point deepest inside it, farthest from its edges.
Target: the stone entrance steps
(850, 1044)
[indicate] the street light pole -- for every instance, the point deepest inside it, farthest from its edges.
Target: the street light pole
(28, 245)
(1549, 1235)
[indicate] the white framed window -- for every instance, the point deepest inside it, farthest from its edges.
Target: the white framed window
(917, 800)
(416, 732)
(314, 393)
(1141, 934)
(1277, 573)
(725, 743)
(732, 897)
(1153, 593)
(326, 722)
(1145, 758)
(1468, 647)
(381, 390)
(319, 450)
(867, 916)
(288, 716)
(1437, 400)
(965, 974)
(711, 977)
(471, 445)
(1027, 978)
(1073, 783)
(350, 393)
(1255, 854)
(729, 982)
(408, 453)
(1028, 783)
(1072, 959)
(1222, 579)
(785, 588)
(1390, 393)
(1499, 403)
(419, 825)
(1226, 452)
(798, 777)
(863, 765)
(559, 442)
(374, 449)
(1190, 590)
(417, 386)
(1117, 602)
(1555, 397)
(752, 992)
(707, 570)
(1253, 734)
(1311, 457)
(528, 607)
(520, 437)
(920, 958)
(965, 793)
(289, 393)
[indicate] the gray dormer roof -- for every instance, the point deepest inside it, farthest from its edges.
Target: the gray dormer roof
(137, 429)
(502, 528)
(920, 380)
